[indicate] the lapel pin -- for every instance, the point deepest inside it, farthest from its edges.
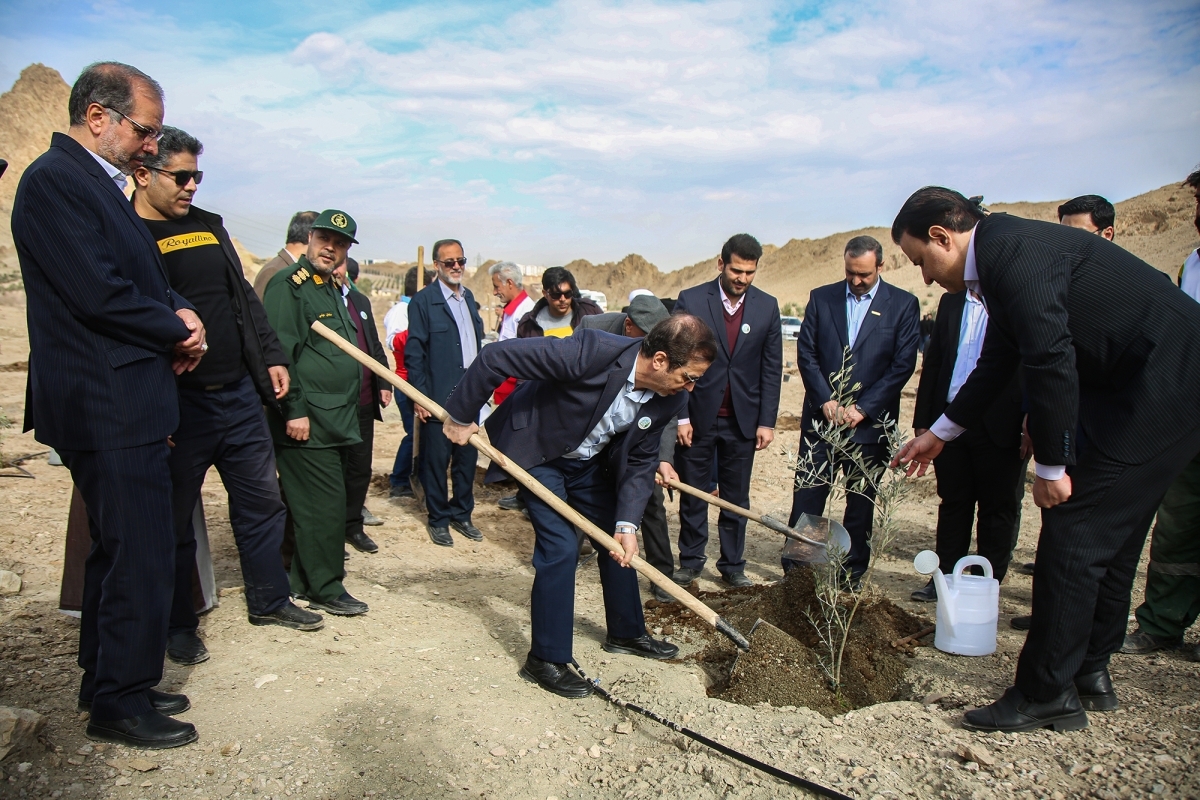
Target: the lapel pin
(876, 313)
(362, 314)
(745, 328)
(644, 423)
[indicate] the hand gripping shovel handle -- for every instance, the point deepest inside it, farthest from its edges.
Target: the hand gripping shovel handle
(528, 481)
(763, 519)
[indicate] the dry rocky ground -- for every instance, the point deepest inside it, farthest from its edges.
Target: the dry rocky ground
(420, 698)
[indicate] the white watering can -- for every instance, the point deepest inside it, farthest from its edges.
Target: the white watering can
(967, 607)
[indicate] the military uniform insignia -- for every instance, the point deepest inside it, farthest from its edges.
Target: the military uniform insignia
(300, 276)
(323, 316)
(318, 280)
(339, 220)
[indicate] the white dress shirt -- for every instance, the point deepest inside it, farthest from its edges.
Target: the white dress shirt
(945, 428)
(970, 343)
(856, 310)
(1189, 276)
(619, 417)
(114, 173)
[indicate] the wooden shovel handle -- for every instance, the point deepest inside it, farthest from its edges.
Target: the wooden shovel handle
(528, 481)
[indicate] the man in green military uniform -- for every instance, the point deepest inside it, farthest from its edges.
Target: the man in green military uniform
(319, 420)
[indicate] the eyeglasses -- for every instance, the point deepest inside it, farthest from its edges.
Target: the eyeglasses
(147, 133)
(451, 262)
(556, 294)
(689, 379)
(182, 176)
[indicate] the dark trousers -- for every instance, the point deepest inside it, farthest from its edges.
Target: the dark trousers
(314, 483)
(1086, 561)
(358, 470)
(403, 467)
(860, 508)
(587, 487)
(971, 471)
(735, 461)
(437, 454)
(227, 428)
(656, 540)
(129, 576)
(1173, 577)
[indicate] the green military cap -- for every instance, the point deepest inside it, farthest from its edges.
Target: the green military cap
(337, 221)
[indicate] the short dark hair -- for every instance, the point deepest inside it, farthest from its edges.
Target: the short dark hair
(859, 246)
(1102, 212)
(936, 205)
(557, 276)
(439, 244)
(410, 280)
(352, 268)
(110, 84)
(683, 338)
(173, 142)
(300, 226)
(1193, 180)
(742, 245)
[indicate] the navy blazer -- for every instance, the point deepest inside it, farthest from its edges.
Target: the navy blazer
(883, 358)
(753, 371)
(567, 385)
(433, 354)
(101, 313)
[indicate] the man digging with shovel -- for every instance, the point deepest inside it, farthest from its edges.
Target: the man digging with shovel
(586, 423)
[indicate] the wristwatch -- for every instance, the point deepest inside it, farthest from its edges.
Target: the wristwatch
(625, 528)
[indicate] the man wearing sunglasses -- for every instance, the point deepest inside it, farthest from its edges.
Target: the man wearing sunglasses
(559, 310)
(221, 422)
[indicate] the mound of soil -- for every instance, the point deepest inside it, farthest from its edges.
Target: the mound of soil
(782, 667)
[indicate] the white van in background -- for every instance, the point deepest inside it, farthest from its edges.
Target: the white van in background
(598, 298)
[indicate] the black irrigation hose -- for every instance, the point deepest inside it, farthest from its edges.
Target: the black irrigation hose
(761, 766)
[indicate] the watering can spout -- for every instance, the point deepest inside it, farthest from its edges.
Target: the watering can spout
(946, 597)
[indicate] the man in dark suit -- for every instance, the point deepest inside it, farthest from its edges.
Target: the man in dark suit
(221, 418)
(373, 395)
(107, 336)
(445, 333)
(985, 467)
(646, 311)
(1105, 382)
(586, 422)
(882, 327)
(295, 246)
(731, 414)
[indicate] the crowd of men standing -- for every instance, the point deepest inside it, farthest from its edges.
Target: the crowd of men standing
(153, 359)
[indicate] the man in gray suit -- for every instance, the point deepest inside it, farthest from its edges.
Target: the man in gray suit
(646, 311)
(295, 246)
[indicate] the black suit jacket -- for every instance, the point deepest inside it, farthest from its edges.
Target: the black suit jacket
(1103, 343)
(567, 385)
(101, 313)
(753, 371)
(1003, 417)
(883, 358)
(433, 354)
(361, 308)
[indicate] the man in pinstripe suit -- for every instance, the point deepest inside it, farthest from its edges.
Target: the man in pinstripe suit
(1106, 350)
(106, 334)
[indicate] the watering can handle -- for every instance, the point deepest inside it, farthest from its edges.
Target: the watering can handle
(969, 561)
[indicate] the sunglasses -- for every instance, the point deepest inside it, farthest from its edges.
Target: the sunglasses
(555, 294)
(451, 262)
(182, 176)
(147, 133)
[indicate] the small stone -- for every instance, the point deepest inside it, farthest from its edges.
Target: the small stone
(264, 680)
(145, 784)
(498, 751)
(142, 765)
(24, 767)
(85, 750)
(932, 698)
(624, 727)
(229, 750)
(18, 727)
(10, 582)
(1078, 769)
(858, 772)
(976, 753)
(594, 751)
(123, 781)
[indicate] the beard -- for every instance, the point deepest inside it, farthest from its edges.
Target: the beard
(109, 148)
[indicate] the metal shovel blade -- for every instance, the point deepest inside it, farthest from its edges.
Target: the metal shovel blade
(820, 529)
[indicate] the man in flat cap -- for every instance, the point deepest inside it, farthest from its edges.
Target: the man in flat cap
(318, 421)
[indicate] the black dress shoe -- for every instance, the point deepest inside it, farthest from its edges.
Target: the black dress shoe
(1021, 623)
(642, 646)
(660, 595)
(1026, 568)
(468, 530)
(557, 678)
(738, 580)
(344, 606)
(1139, 643)
(685, 575)
(163, 703)
(1096, 691)
(362, 543)
(290, 615)
(1014, 712)
(511, 503)
(926, 594)
(186, 649)
(151, 730)
(439, 535)
(401, 492)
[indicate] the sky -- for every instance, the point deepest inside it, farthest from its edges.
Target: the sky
(542, 132)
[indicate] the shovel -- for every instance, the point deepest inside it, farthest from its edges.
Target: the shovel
(809, 543)
(554, 501)
(414, 477)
